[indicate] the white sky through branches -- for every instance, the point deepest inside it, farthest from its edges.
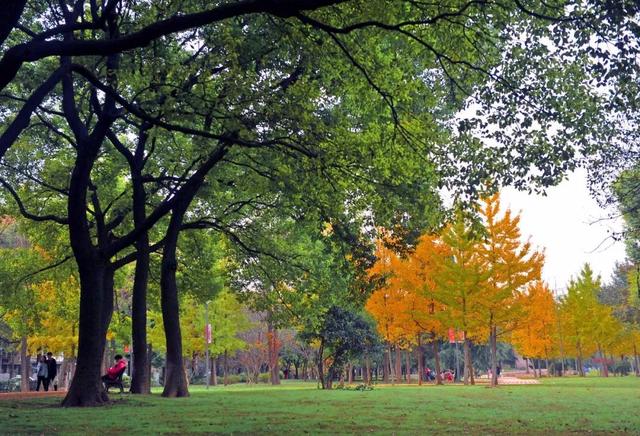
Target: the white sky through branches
(569, 225)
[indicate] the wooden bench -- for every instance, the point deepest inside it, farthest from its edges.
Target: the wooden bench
(117, 382)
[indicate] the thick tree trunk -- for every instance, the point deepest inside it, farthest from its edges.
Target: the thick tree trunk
(175, 382)
(320, 362)
(579, 361)
(25, 365)
(96, 308)
(604, 367)
(436, 357)
(494, 356)
(468, 364)
(141, 379)
(10, 16)
(350, 373)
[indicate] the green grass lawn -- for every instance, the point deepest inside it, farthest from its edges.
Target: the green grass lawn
(556, 406)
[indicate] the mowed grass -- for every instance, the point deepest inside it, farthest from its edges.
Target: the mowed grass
(557, 406)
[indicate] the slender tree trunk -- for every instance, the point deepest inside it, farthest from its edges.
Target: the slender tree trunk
(11, 359)
(420, 359)
(386, 364)
(398, 363)
(494, 356)
(329, 379)
(320, 362)
(367, 367)
(25, 365)
(635, 359)
(436, 356)
(546, 364)
(214, 371)
(526, 359)
(226, 368)
(273, 350)
(407, 367)
(350, 375)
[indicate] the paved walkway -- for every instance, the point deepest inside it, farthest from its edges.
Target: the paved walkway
(505, 380)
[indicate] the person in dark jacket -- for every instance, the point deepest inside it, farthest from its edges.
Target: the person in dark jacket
(52, 366)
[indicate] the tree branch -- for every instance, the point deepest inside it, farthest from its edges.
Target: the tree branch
(23, 210)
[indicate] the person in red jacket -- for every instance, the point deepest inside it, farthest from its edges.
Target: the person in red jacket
(117, 369)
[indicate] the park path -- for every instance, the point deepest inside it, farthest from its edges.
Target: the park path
(31, 394)
(517, 381)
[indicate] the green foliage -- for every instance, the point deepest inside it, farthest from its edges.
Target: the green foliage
(344, 335)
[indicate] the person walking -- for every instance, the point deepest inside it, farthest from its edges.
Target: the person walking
(52, 367)
(42, 371)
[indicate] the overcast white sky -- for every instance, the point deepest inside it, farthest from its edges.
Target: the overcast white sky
(564, 224)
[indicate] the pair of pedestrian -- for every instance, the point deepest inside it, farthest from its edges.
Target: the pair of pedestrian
(47, 370)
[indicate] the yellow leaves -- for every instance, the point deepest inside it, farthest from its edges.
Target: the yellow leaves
(454, 279)
(55, 328)
(511, 263)
(401, 307)
(537, 323)
(327, 229)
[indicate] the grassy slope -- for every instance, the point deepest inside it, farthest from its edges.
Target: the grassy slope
(556, 406)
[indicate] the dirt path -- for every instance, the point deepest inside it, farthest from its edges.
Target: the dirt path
(32, 394)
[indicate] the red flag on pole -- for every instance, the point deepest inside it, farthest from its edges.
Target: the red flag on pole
(207, 333)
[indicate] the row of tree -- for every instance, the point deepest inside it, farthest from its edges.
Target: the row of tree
(480, 279)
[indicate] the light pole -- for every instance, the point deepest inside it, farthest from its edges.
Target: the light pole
(207, 340)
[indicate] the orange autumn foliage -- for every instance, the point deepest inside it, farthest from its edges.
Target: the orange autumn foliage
(535, 335)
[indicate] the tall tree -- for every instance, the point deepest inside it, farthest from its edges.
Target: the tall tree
(578, 310)
(511, 264)
(536, 330)
(461, 278)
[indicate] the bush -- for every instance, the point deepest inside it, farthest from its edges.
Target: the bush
(360, 387)
(622, 368)
(264, 377)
